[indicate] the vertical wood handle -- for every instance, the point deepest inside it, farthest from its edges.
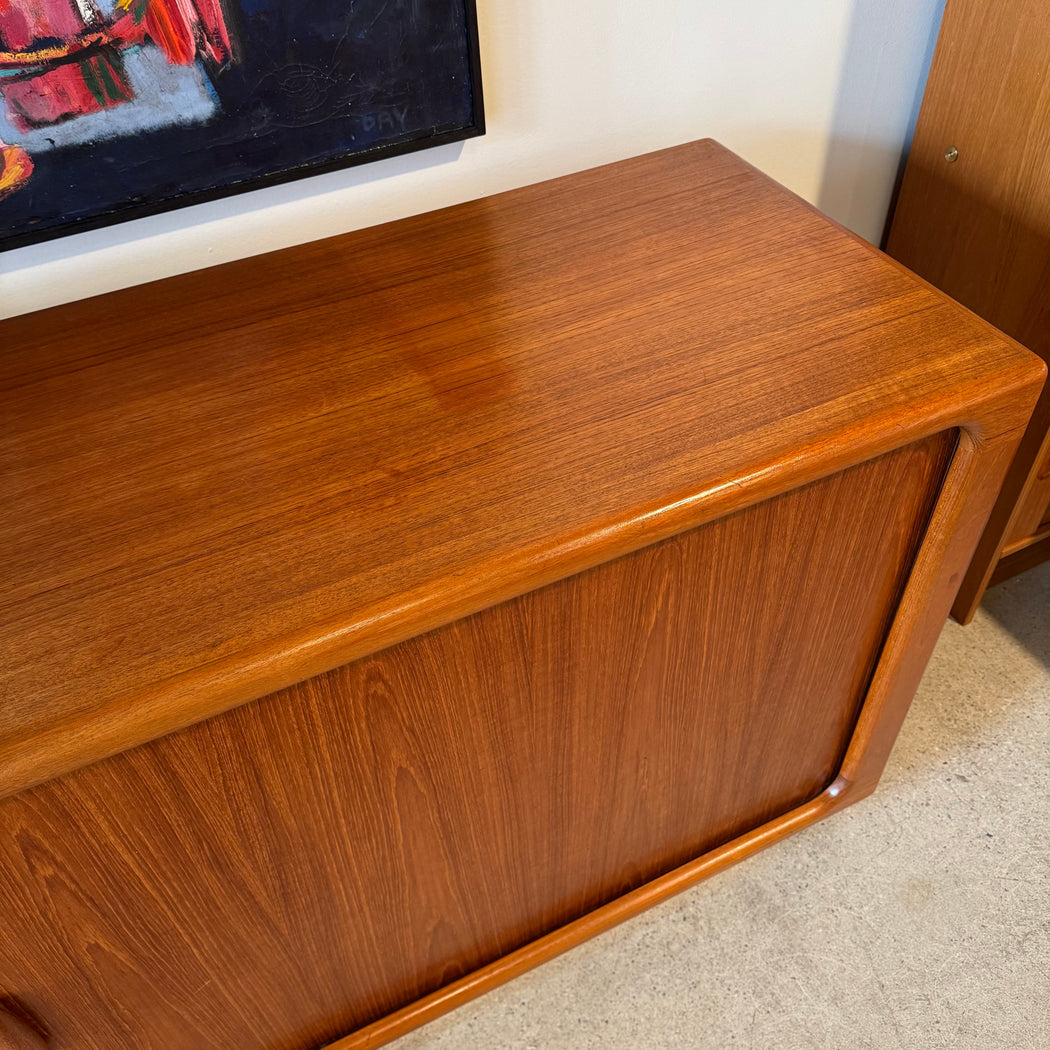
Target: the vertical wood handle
(18, 1034)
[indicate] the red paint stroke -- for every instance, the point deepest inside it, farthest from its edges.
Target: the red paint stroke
(217, 43)
(53, 93)
(23, 21)
(187, 29)
(171, 28)
(65, 67)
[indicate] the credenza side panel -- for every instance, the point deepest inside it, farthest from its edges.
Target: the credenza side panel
(282, 874)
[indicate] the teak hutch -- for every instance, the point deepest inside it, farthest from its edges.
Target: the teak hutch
(974, 218)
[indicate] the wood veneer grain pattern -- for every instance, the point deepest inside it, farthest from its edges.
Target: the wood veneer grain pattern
(16, 1032)
(1024, 558)
(301, 866)
(288, 463)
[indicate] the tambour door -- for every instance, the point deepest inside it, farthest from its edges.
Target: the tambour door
(281, 875)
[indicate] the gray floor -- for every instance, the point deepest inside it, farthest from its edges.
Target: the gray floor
(918, 918)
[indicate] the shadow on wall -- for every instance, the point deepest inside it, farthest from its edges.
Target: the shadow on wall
(884, 69)
(860, 183)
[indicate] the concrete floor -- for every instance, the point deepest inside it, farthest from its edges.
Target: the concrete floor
(919, 918)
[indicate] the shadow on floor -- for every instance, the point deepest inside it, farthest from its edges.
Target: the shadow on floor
(1021, 606)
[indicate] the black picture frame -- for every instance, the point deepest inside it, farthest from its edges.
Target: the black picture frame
(351, 82)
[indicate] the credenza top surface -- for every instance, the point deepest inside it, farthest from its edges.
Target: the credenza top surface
(223, 482)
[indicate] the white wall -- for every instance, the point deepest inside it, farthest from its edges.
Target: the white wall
(818, 93)
(883, 72)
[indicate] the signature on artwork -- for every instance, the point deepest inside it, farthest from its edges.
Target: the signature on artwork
(389, 119)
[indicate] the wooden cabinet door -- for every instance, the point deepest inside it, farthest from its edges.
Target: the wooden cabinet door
(974, 218)
(306, 865)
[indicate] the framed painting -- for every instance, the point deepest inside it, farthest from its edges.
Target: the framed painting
(114, 109)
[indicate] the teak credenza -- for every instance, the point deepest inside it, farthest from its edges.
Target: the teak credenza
(385, 615)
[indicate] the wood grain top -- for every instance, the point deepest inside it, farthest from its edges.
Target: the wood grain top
(222, 483)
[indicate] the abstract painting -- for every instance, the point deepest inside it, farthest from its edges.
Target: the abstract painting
(114, 109)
